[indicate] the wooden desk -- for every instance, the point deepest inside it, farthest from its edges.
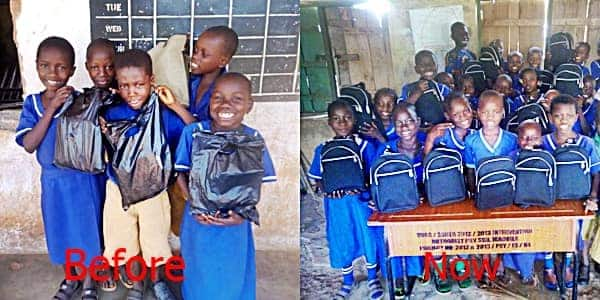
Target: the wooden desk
(460, 228)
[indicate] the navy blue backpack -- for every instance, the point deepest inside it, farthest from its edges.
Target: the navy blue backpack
(531, 111)
(495, 182)
(430, 106)
(342, 166)
(536, 177)
(568, 79)
(443, 176)
(394, 183)
(573, 178)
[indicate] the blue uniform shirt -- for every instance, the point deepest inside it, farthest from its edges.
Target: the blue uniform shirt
(183, 155)
(171, 123)
(455, 59)
(595, 71)
(200, 107)
(476, 148)
(406, 89)
(549, 143)
(584, 70)
(450, 140)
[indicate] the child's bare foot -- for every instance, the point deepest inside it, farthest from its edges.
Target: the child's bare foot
(550, 280)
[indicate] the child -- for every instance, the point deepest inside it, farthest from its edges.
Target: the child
(531, 91)
(452, 135)
(212, 52)
(530, 137)
(411, 144)
(348, 235)
(466, 85)
(446, 79)
(384, 101)
(534, 58)
(145, 225)
(563, 115)
(595, 65)
(490, 140)
(503, 85)
(456, 57)
(71, 200)
(582, 53)
(515, 63)
(426, 67)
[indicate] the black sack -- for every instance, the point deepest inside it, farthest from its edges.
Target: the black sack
(561, 49)
(430, 106)
(79, 139)
(226, 174)
(142, 162)
(491, 61)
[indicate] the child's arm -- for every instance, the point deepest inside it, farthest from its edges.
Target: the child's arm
(417, 92)
(33, 138)
(436, 132)
(167, 97)
(372, 131)
(585, 127)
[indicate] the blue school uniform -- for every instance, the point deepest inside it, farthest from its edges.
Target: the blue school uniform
(589, 113)
(414, 264)
(595, 71)
(584, 70)
(456, 58)
(516, 83)
(524, 99)
(71, 201)
(171, 123)
(452, 141)
(407, 88)
(476, 148)
(220, 260)
(199, 108)
(348, 235)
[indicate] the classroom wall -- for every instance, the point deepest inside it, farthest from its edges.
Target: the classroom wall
(21, 228)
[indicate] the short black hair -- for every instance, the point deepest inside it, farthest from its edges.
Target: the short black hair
(505, 77)
(584, 44)
(422, 54)
(385, 92)
(453, 97)
(438, 76)
(456, 25)
(60, 44)
(229, 37)
(133, 58)
(338, 104)
(99, 43)
(589, 78)
(489, 94)
(527, 70)
(563, 99)
(236, 76)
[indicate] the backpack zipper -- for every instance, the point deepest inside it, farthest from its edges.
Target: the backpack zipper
(512, 179)
(375, 174)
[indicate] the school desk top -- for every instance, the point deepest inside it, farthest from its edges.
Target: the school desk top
(466, 210)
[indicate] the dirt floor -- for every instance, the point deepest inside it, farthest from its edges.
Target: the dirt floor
(319, 281)
(33, 277)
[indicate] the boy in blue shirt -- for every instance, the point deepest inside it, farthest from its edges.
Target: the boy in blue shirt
(456, 57)
(582, 53)
(426, 67)
(534, 58)
(531, 92)
(515, 63)
(144, 227)
(563, 115)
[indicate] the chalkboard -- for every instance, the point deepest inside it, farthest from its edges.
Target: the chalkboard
(268, 32)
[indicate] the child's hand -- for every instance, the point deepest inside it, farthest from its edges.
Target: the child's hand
(232, 219)
(61, 96)
(102, 123)
(165, 95)
(591, 204)
(580, 100)
(423, 85)
(438, 131)
(370, 129)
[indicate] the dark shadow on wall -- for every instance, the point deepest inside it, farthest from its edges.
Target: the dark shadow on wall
(10, 78)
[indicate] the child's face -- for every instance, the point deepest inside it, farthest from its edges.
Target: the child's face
(503, 87)
(208, 54)
(588, 88)
(100, 67)
(460, 36)
(530, 82)
(581, 54)
(406, 127)
(468, 88)
(135, 86)
(426, 67)
(564, 117)
(490, 112)
(230, 101)
(460, 114)
(530, 136)
(384, 106)
(515, 63)
(341, 121)
(447, 80)
(54, 68)
(534, 59)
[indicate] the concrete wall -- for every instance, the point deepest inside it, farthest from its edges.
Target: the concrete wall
(21, 229)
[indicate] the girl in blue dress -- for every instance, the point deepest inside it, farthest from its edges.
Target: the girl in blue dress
(71, 200)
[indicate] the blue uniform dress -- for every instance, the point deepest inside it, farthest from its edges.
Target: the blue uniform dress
(589, 113)
(550, 144)
(595, 71)
(516, 83)
(414, 264)
(199, 108)
(406, 89)
(524, 99)
(72, 200)
(452, 141)
(456, 58)
(476, 148)
(348, 236)
(219, 260)
(584, 70)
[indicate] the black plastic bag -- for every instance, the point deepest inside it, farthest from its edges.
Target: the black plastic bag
(142, 162)
(78, 136)
(227, 171)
